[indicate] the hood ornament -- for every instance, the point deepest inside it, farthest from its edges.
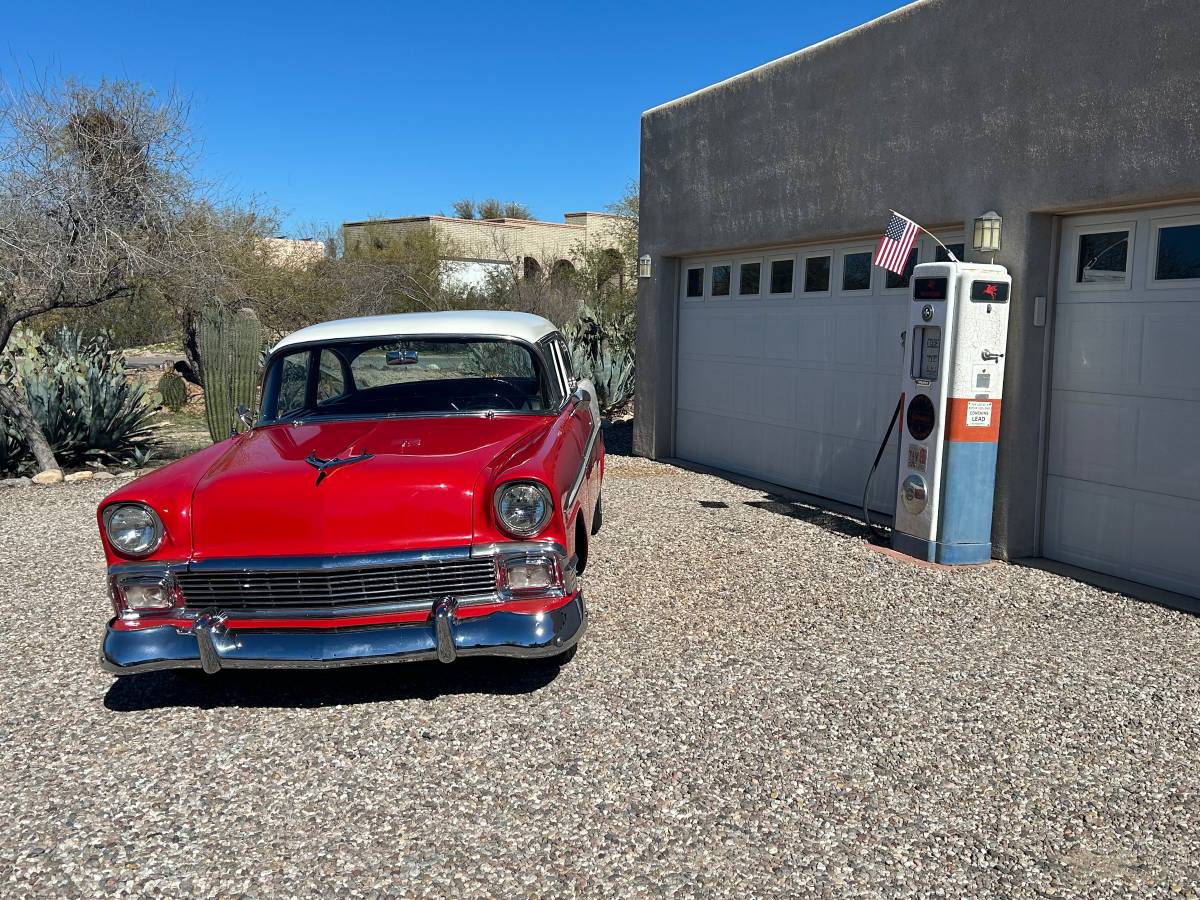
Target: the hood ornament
(325, 466)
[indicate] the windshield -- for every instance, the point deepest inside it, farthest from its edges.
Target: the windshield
(405, 377)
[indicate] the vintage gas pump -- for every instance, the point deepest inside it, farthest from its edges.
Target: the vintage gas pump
(952, 384)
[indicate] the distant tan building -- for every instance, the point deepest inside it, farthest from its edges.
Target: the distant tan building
(484, 246)
(293, 253)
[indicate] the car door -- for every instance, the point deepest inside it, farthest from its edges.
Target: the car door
(585, 425)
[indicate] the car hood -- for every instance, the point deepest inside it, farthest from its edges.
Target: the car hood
(416, 491)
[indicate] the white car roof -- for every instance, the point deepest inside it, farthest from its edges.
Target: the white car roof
(473, 323)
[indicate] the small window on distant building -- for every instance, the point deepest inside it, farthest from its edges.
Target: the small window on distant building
(959, 251)
(816, 274)
(902, 281)
(782, 271)
(1103, 258)
(720, 281)
(695, 282)
(1178, 253)
(749, 275)
(856, 272)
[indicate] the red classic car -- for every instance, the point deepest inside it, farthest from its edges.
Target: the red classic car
(416, 486)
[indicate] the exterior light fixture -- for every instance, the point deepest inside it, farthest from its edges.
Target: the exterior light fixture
(644, 266)
(987, 232)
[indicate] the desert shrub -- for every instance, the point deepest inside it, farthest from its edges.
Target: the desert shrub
(139, 320)
(77, 391)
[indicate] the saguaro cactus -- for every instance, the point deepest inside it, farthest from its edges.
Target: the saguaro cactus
(230, 347)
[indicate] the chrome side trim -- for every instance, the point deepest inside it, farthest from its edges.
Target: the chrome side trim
(570, 496)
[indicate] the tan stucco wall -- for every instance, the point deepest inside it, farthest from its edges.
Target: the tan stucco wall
(504, 240)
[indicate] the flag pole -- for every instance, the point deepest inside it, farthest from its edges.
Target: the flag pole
(950, 254)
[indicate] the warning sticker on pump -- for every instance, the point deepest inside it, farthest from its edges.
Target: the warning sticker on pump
(979, 414)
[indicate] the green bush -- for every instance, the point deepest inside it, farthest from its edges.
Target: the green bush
(78, 393)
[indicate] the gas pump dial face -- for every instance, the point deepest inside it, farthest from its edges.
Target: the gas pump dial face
(921, 417)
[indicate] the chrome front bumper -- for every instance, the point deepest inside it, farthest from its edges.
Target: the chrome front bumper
(211, 646)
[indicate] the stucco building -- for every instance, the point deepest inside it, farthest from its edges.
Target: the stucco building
(293, 253)
(1079, 122)
(481, 246)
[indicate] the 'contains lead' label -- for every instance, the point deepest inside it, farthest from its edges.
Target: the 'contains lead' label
(979, 413)
(972, 420)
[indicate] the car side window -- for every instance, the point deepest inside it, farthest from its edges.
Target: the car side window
(331, 380)
(555, 374)
(565, 353)
(293, 383)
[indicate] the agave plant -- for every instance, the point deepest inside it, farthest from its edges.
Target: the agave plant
(601, 345)
(77, 391)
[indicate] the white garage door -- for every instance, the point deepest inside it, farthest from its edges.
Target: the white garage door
(1123, 469)
(789, 365)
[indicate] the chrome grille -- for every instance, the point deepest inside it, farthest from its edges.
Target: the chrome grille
(298, 589)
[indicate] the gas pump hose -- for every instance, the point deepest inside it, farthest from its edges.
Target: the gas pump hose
(876, 532)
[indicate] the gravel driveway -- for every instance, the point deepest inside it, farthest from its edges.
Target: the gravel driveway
(763, 705)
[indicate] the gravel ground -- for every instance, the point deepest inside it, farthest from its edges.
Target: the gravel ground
(763, 705)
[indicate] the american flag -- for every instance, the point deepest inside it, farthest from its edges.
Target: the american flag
(898, 239)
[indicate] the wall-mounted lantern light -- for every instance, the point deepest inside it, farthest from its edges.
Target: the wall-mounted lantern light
(644, 266)
(987, 232)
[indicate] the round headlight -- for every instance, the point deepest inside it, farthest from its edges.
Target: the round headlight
(133, 528)
(523, 507)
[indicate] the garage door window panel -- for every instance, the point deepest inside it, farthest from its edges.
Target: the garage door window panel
(817, 271)
(1176, 255)
(693, 283)
(781, 274)
(719, 285)
(749, 279)
(1103, 257)
(958, 249)
(855, 272)
(899, 283)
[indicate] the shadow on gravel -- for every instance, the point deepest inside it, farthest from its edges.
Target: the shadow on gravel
(822, 518)
(301, 689)
(618, 438)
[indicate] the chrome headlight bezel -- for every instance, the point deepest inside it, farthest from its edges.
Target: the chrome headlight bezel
(522, 484)
(136, 551)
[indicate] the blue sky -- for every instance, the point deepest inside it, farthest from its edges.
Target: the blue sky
(339, 111)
